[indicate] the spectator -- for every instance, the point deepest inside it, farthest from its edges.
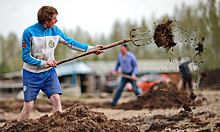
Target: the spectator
(128, 63)
(185, 71)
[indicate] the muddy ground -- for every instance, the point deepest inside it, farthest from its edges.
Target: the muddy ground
(163, 108)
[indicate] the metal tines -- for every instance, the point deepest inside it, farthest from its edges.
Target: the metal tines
(140, 36)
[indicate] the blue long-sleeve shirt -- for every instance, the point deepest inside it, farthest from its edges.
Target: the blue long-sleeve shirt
(39, 43)
(128, 64)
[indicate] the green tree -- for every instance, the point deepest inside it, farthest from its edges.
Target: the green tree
(211, 18)
(4, 67)
(115, 36)
(10, 54)
(13, 52)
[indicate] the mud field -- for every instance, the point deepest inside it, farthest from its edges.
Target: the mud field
(163, 108)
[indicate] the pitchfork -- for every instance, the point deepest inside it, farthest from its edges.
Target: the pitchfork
(138, 36)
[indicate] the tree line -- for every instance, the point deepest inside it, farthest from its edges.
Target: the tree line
(191, 24)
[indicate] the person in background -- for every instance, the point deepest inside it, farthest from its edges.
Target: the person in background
(185, 72)
(128, 63)
(38, 44)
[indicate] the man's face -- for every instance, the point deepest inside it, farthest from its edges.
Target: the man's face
(123, 49)
(51, 24)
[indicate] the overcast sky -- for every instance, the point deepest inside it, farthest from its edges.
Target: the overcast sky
(95, 16)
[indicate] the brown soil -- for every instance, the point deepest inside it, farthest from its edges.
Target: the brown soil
(199, 48)
(163, 35)
(162, 96)
(77, 118)
(161, 122)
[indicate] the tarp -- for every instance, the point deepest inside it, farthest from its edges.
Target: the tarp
(74, 67)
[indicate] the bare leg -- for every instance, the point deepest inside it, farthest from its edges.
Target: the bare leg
(25, 113)
(56, 104)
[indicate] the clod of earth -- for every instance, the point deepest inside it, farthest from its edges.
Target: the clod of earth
(199, 48)
(187, 108)
(192, 96)
(163, 35)
(203, 38)
(159, 127)
(203, 76)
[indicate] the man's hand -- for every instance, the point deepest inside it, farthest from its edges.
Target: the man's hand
(133, 77)
(52, 63)
(98, 51)
(114, 73)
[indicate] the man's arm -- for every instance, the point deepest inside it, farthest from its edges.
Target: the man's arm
(26, 56)
(76, 45)
(134, 63)
(72, 44)
(114, 72)
(188, 61)
(117, 65)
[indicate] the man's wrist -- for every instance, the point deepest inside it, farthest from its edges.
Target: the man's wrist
(90, 48)
(43, 63)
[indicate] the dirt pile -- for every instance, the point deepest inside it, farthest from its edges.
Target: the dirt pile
(162, 96)
(163, 35)
(76, 118)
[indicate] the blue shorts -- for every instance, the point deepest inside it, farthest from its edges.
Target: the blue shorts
(34, 82)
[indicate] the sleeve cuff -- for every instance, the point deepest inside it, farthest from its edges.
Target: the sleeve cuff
(43, 63)
(90, 48)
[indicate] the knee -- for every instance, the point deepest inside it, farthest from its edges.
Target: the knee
(120, 90)
(55, 97)
(28, 105)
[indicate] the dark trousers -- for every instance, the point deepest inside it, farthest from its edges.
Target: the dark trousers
(121, 88)
(189, 80)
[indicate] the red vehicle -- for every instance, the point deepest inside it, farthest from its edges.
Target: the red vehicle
(150, 80)
(144, 83)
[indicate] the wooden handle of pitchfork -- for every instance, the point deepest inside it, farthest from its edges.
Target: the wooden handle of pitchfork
(130, 77)
(92, 51)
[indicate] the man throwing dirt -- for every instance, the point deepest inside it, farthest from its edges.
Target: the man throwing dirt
(185, 71)
(128, 63)
(38, 44)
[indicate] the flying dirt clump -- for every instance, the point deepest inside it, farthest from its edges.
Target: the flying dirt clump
(163, 35)
(75, 119)
(203, 76)
(199, 48)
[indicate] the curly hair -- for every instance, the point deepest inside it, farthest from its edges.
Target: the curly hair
(46, 13)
